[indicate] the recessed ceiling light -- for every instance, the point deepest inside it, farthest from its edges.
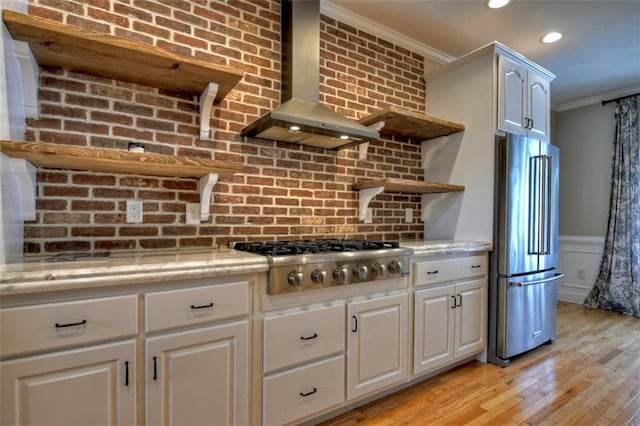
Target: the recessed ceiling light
(294, 128)
(344, 137)
(497, 4)
(551, 37)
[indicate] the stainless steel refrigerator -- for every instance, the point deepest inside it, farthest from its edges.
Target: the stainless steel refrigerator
(524, 275)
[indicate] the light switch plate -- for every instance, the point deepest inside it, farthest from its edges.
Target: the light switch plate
(408, 215)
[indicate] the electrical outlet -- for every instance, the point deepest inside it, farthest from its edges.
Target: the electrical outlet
(193, 213)
(134, 211)
(580, 274)
(408, 215)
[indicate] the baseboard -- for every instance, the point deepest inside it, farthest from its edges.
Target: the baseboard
(579, 260)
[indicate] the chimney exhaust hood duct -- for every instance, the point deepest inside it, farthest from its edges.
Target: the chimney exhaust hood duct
(300, 118)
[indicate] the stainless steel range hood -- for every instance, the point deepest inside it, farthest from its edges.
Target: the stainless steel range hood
(301, 118)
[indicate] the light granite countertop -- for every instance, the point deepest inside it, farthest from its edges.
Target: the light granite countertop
(37, 275)
(443, 247)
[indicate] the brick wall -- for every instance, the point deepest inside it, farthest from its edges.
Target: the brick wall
(284, 191)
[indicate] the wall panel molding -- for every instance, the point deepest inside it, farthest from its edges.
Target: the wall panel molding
(580, 261)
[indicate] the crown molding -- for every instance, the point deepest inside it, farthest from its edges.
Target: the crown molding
(590, 100)
(347, 17)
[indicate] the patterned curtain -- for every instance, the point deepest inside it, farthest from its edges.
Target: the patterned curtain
(617, 287)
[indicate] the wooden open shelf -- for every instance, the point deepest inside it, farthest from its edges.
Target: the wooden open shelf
(411, 125)
(407, 186)
(115, 161)
(55, 44)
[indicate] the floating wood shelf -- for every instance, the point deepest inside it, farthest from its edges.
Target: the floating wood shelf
(407, 186)
(55, 44)
(411, 125)
(369, 188)
(115, 161)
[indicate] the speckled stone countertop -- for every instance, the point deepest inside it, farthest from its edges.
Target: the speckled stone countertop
(36, 275)
(443, 247)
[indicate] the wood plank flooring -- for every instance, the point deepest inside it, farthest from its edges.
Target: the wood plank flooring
(589, 376)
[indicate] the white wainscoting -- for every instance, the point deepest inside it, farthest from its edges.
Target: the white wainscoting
(580, 262)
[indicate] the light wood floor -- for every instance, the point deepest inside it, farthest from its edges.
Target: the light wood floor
(589, 376)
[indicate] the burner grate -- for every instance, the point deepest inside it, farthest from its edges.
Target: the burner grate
(294, 247)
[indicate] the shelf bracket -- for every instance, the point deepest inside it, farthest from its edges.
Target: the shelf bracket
(205, 186)
(206, 104)
(30, 77)
(364, 147)
(365, 197)
(430, 148)
(26, 174)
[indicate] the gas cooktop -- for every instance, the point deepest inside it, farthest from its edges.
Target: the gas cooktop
(297, 265)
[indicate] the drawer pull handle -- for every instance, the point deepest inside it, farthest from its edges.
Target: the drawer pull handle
(433, 272)
(126, 373)
(459, 301)
(210, 305)
(315, 335)
(71, 324)
(309, 393)
(453, 302)
(475, 266)
(355, 322)
(155, 368)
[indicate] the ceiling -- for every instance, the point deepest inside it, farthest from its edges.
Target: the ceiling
(598, 56)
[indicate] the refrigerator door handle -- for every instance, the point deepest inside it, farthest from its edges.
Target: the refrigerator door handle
(533, 205)
(549, 179)
(546, 280)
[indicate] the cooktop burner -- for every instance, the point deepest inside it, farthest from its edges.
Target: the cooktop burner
(292, 247)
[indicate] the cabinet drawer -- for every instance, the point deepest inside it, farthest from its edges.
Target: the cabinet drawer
(303, 391)
(302, 336)
(56, 325)
(179, 308)
(441, 270)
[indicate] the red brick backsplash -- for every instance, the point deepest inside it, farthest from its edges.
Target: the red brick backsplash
(284, 191)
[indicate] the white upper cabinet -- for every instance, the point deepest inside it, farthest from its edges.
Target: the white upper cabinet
(523, 100)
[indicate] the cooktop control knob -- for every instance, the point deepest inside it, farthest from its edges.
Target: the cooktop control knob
(319, 276)
(361, 272)
(295, 278)
(378, 270)
(395, 267)
(340, 274)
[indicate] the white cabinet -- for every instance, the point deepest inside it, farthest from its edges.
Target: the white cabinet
(523, 100)
(299, 379)
(467, 91)
(90, 385)
(199, 376)
(376, 344)
(450, 314)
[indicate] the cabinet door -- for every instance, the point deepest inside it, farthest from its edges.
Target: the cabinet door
(471, 317)
(512, 95)
(89, 386)
(434, 317)
(539, 107)
(198, 377)
(377, 344)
